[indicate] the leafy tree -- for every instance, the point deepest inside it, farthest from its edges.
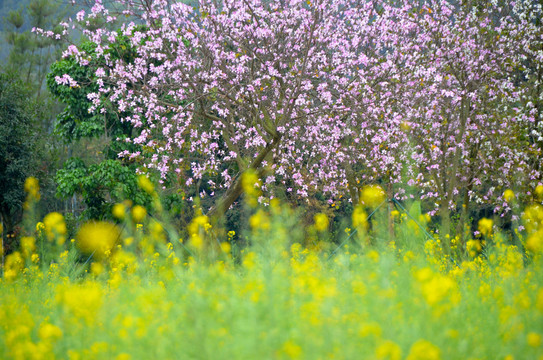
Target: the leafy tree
(31, 55)
(102, 179)
(100, 185)
(17, 148)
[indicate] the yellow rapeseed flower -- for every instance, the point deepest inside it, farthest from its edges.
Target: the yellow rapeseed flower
(321, 222)
(292, 350)
(197, 223)
(533, 217)
(119, 211)
(372, 195)
(539, 192)
(226, 247)
(251, 186)
(157, 231)
(260, 220)
(97, 238)
(146, 185)
(424, 350)
(250, 181)
(373, 255)
(138, 213)
(49, 332)
(13, 265)
(370, 329)
(32, 187)
(83, 301)
(128, 241)
(28, 246)
(539, 300)
(360, 218)
(55, 227)
(473, 247)
(508, 195)
(97, 268)
(437, 289)
(197, 228)
(124, 260)
(388, 350)
(485, 226)
(534, 243)
(534, 339)
(40, 227)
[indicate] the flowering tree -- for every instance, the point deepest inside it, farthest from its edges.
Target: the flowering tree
(244, 85)
(464, 108)
(319, 96)
(529, 38)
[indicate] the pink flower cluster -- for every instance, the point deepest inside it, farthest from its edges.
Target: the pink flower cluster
(431, 97)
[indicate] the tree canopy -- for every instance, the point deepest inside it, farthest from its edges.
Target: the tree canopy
(326, 96)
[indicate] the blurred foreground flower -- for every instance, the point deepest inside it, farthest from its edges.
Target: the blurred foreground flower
(138, 213)
(97, 238)
(424, 350)
(32, 188)
(321, 222)
(534, 243)
(372, 195)
(533, 218)
(82, 301)
(55, 227)
(146, 185)
(388, 350)
(49, 332)
(360, 218)
(539, 192)
(119, 211)
(508, 195)
(485, 226)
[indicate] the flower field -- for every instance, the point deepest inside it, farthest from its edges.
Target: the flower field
(271, 179)
(135, 290)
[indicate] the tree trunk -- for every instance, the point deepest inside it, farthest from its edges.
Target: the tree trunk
(445, 226)
(236, 188)
(452, 182)
(390, 206)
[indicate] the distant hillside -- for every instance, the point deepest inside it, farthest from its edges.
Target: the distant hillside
(65, 9)
(8, 5)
